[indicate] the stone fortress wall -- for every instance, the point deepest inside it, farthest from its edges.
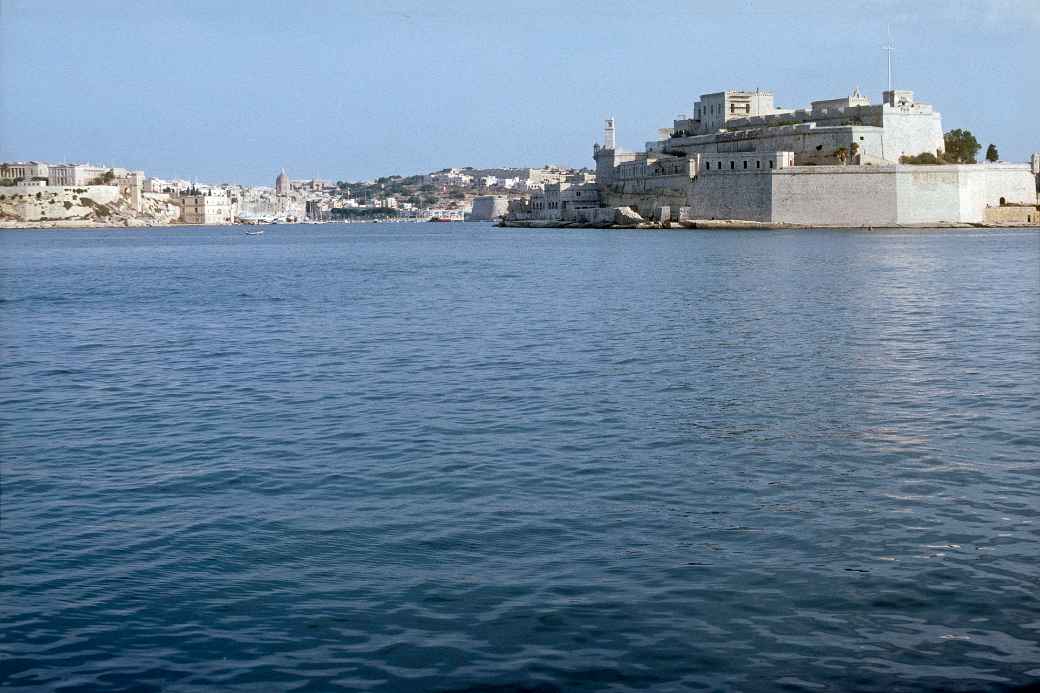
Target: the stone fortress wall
(489, 207)
(862, 195)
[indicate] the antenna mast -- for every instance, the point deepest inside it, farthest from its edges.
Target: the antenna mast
(890, 49)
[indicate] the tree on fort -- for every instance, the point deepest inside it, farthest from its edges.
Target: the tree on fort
(924, 158)
(961, 146)
(992, 154)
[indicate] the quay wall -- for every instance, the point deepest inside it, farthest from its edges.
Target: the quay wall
(834, 195)
(861, 195)
(925, 195)
(738, 195)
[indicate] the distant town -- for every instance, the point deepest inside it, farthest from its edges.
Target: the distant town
(41, 194)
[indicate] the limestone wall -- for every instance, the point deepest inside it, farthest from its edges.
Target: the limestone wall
(834, 195)
(663, 184)
(911, 133)
(1008, 181)
(960, 193)
(644, 203)
(884, 195)
(489, 207)
(928, 194)
(1012, 215)
(744, 196)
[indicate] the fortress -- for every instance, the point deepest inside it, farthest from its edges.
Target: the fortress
(836, 163)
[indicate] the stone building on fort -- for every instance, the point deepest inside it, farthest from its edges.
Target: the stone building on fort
(837, 162)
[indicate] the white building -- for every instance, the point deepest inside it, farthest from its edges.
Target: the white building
(560, 200)
(210, 209)
(452, 177)
(75, 174)
(23, 170)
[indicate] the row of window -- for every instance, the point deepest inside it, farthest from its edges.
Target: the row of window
(733, 165)
(644, 171)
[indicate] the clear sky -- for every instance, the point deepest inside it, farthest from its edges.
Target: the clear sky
(234, 91)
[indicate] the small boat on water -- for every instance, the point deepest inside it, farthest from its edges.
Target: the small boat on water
(255, 232)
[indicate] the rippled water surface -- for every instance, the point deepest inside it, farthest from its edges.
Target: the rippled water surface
(458, 458)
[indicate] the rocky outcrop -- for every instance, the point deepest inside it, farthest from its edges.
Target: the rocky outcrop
(95, 205)
(626, 216)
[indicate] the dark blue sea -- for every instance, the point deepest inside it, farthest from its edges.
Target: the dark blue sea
(448, 457)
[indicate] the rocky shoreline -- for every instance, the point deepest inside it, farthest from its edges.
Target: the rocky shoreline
(737, 225)
(73, 224)
(695, 224)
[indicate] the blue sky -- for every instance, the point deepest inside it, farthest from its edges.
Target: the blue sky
(234, 91)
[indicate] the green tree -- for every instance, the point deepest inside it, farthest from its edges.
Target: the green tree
(961, 147)
(991, 153)
(920, 159)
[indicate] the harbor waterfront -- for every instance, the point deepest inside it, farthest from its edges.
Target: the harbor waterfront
(459, 457)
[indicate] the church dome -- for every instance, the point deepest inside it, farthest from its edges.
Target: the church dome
(281, 184)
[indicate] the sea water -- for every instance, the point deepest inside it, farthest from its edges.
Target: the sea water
(454, 457)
